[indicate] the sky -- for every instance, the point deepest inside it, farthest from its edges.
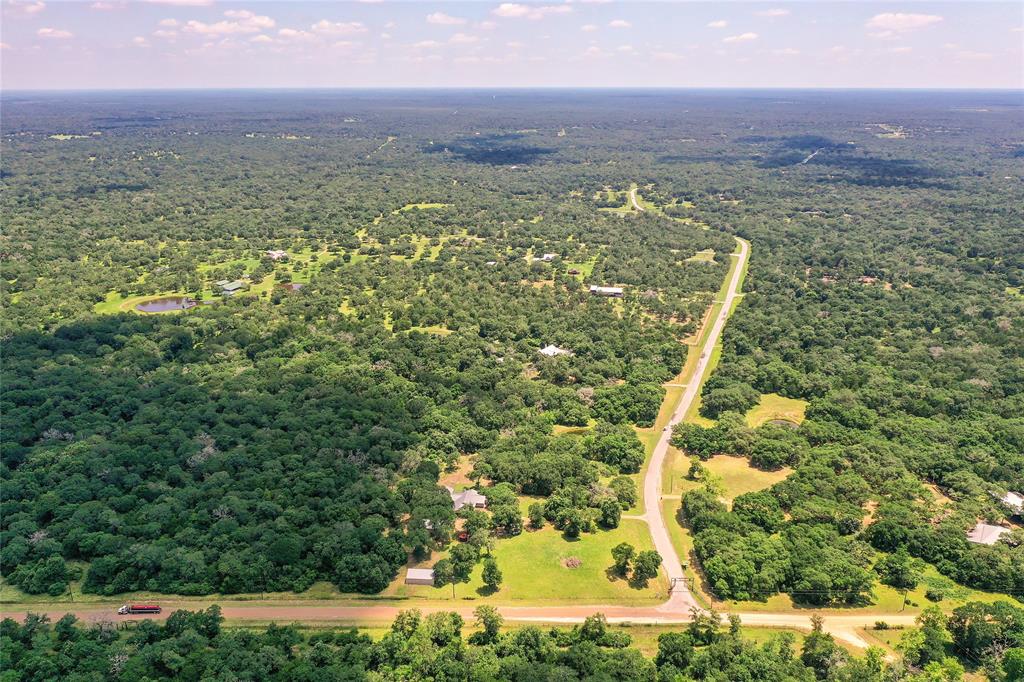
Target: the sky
(112, 44)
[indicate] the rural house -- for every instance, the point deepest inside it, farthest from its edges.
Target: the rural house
(986, 534)
(615, 292)
(551, 350)
(467, 498)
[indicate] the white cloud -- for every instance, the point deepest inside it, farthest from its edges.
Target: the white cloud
(244, 22)
(971, 55)
(54, 33)
(139, 41)
(24, 8)
(261, 38)
(588, 27)
(619, 23)
(899, 22)
(426, 45)
(181, 3)
(515, 45)
(166, 35)
(463, 39)
(741, 38)
(515, 10)
(900, 50)
(786, 52)
(5, 46)
(668, 57)
(296, 35)
(718, 23)
(624, 48)
(443, 19)
(169, 23)
(488, 25)
(104, 6)
(774, 12)
(338, 28)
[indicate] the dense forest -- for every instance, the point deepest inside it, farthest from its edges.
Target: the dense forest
(195, 646)
(284, 435)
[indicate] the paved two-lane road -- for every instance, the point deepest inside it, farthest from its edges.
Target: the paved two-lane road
(681, 600)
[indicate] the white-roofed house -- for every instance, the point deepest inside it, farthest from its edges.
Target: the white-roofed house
(419, 576)
(276, 254)
(615, 292)
(467, 498)
(986, 534)
(551, 350)
(1015, 501)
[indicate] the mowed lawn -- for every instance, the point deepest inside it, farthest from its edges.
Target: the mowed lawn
(534, 571)
(736, 474)
(773, 406)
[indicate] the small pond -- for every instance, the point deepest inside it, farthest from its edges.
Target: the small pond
(163, 305)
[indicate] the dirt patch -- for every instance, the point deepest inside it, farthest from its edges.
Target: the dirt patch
(572, 562)
(458, 477)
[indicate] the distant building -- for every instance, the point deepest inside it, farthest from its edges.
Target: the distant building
(1015, 501)
(615, 292)
(573, 271)
(491, 262)
(467, 498)
(277, 255)
(230, 288)
(986, 534)
(547, 257)
(419, 576)
(552, 350)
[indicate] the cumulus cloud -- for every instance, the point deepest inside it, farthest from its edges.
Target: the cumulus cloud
(21, 8)
(718, 23)
(619, 23)
(443, 19)
(54, 33)
(242, 21)
(774, 12)
(426, 45)
(181, 3)
(899, 22)
(296, 35)
(741, 38)
(463, 39)
(104, 6)
(515, 10)
(169, 23)
(786, 52)
(261, 38)
(667, 57)
(588, 27)
(338, 28)
(165, 34)
(139, 41)
(971, 55)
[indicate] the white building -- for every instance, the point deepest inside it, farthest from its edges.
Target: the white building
(467, 498)
(1015, 501)
(552, 350)
(419, 576)
(615, 292)
(986, 534)
(277, 255)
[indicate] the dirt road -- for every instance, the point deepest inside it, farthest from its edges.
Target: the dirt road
(632, 199)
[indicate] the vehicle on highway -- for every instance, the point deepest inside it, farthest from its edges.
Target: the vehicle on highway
(138, 608)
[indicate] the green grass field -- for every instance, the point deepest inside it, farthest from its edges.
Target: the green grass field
(705, 256)
(534, 572)
(773, 406)
(736, 474)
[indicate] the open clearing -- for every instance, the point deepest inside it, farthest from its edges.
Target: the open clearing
(532, 565)
(773, 406)
(735, 473)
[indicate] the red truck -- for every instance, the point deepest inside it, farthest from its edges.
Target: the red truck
(138, 608)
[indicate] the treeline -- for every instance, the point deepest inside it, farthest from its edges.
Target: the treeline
(196, 646)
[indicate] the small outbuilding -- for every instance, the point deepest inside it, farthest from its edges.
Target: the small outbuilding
(231, 288)
(1014, 501)
(276, 254)
(551, 350)
(614, 292)
(986, 534)
(419, 576)
(467, 498)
